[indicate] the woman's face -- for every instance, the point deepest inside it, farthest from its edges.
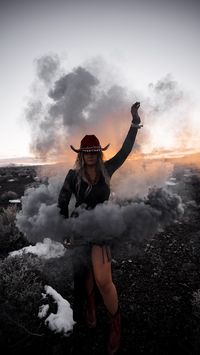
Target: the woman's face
(90, 158)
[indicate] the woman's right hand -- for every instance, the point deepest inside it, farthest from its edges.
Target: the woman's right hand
(67, 243)
(134, 111)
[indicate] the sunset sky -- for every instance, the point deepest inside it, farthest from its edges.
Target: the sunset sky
(127, 43)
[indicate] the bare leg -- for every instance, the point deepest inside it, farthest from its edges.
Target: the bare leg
(103, 277)
(91, 302)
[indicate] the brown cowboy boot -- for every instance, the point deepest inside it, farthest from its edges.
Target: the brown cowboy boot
(115, 333)
(91, 310)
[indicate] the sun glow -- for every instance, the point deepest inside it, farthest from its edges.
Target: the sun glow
(163, 136)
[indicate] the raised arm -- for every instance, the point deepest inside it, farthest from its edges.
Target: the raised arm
(114, 163)
(65, 194)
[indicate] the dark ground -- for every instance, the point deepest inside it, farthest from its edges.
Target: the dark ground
(155, 292)
(15, 179)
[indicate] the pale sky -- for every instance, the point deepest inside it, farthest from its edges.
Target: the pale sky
(141, 40)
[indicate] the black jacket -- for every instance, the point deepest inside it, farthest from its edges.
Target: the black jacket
(91, 195)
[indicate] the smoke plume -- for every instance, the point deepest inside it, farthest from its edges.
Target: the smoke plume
(66, 104)
(72, 104)
(136, 177)
(114, 220)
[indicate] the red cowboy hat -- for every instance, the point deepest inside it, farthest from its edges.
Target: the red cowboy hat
(89, 143)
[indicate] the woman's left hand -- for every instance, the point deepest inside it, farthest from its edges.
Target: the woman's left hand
(134, 111)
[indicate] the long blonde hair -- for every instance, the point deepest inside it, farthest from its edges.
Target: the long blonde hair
(80, 169)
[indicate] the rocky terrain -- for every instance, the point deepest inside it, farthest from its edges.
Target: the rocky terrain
(160, 309)
(13, 181)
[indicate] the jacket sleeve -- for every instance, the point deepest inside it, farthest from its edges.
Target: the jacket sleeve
(115, 162)
(65, 194)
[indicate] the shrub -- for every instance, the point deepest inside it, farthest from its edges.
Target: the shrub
(196, 303)
(8, 195)
(21, 286)
(10, 236)
(196, 321)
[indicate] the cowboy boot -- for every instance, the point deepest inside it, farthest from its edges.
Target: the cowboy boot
(91, 310)
(115, 333)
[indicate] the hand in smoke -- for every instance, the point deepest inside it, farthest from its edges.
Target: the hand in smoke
(134, 111)
(67, 243)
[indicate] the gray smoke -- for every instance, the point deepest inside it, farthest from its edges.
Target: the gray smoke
(72, 95)
(65, 105)
(45, 132)
(136, 176)
(69, 105)
(47, 68)
(133, 221)
(113, 220)
(113, 101)
(39, 216)
(166, 94)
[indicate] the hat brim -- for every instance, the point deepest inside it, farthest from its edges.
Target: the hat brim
(89, 149)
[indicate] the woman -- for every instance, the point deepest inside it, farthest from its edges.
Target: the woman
(90, 183)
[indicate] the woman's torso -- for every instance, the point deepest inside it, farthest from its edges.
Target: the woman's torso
(91, 194)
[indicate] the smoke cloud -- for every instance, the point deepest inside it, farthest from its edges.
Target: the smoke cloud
(72, 95)
(65, 105)
(166, 94)
(69, 106)
(114, 220)
(137, 176)
(47, 68)
(170, 112)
